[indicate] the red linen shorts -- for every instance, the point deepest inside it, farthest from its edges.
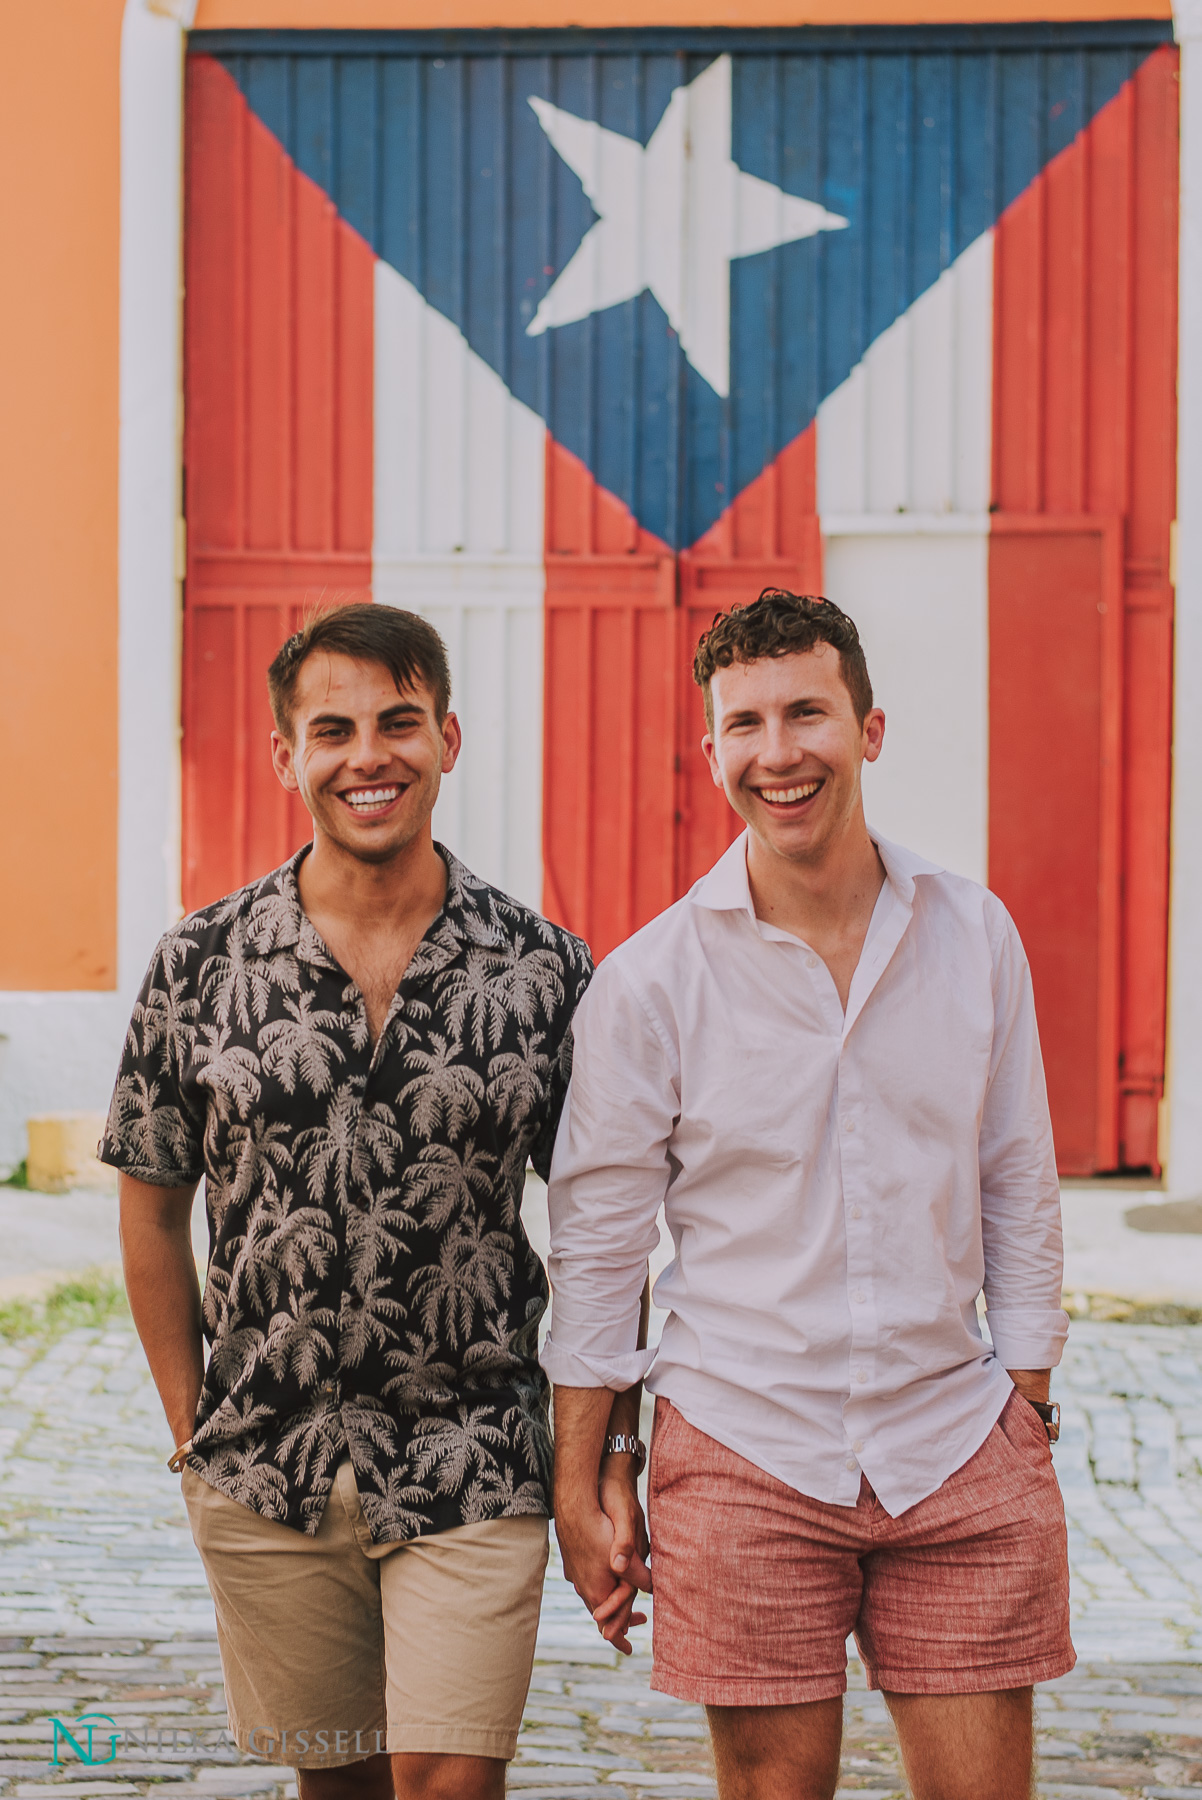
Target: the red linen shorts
(757, 1587)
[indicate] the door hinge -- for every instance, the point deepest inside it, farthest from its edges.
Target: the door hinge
(181, 549)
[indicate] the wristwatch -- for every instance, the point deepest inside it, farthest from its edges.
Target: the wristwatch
(625, 1445)
(1049, 1412)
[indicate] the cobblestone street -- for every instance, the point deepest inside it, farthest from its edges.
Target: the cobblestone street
(103, 1606)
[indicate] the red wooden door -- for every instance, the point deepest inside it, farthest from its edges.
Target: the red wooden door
(278, 326)
(610, 668)
(631, 817)
(1055, 821)
(770, 537)
(1084, 421)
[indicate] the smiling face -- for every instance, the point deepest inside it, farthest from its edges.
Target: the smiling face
(366, 759)
(787, 750)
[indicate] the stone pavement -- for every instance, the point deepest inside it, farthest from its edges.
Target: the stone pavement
(103, 1607)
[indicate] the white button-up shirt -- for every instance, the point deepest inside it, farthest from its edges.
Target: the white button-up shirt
(839, 1187)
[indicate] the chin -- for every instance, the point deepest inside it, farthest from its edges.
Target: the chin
(371, 850)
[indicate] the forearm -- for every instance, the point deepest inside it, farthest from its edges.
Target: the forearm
(1032, 1384)
(164, 1294)
(582, 1419)
(627, 1405)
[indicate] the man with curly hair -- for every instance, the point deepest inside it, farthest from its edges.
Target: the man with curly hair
(358, 1053)
(823, 1063)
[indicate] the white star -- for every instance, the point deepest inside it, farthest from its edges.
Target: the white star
(673, 217)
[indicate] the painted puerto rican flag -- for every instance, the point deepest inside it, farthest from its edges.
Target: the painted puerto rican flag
(613, 328)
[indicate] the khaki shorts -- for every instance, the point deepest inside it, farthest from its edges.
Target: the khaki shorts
(335, 1648)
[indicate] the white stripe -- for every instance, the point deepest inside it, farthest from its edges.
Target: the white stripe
(904, 453)
(59, 1050)
(459, 483)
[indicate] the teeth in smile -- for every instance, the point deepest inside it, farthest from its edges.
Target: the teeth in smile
(367, 799)
(785, 796)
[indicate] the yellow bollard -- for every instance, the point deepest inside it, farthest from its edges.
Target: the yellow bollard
(62, 1153)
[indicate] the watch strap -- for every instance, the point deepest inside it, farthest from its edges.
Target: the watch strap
(624, 1444)
(1049, 1412)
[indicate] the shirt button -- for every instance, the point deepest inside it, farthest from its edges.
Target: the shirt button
(861, 1377)
(849, 1124)
(858, 1445)
(811, 962)
(355, 1303)
(851, 1462)
(858, 1297)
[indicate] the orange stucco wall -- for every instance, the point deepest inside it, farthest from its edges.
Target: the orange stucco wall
(59, 148)
(516, 14)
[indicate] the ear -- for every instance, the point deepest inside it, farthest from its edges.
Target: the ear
(283, 762)
(709, 751)
(873, 734)
(452, 742)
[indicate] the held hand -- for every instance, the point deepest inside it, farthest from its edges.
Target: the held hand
(619, 1498)
(586, 1542)
(628, 1553)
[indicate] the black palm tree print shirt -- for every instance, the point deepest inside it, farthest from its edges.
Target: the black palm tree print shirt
(370, 1289)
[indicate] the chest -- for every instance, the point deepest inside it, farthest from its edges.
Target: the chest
(321, 1082)
(769, 1061)
(376, 962)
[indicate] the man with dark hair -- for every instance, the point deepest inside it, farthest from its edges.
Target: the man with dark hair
(358, 1053)
(823, 1063)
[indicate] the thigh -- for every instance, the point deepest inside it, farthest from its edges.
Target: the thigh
(460, 1620)
(957, 1744)
(756, 1587)
(765, 1752)
(299, 1627)
(968, 1591)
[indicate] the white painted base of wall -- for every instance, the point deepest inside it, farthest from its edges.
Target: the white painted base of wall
(920, 600)
(59, 1055)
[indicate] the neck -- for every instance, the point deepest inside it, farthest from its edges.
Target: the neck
(836, 889)
(337, 885)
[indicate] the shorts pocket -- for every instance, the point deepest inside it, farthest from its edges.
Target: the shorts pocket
(1024, 1429)
(659, 1471)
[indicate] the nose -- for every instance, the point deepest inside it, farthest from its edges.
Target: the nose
(777, 748)
(368, 752)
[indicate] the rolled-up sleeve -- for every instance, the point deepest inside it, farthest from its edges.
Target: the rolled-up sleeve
(1020, 1192)
(609, 1175)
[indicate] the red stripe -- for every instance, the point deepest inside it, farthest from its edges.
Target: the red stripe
(1081, 609)
(278, 375)
(631, 817)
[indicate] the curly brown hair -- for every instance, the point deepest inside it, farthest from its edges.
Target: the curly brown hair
(780, 624)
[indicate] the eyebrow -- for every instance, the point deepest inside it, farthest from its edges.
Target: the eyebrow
(405, 709)
(744, 714)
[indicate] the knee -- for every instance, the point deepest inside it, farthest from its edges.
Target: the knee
(448, 1777)
(370, 1779)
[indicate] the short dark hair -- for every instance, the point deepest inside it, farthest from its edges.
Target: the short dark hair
(780, 624)
(409, 648)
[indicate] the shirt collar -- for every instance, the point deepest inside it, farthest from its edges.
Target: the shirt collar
(726, 887)
(276, 920)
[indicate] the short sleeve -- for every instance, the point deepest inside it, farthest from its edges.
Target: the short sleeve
(152, 1132)
(578, 972)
